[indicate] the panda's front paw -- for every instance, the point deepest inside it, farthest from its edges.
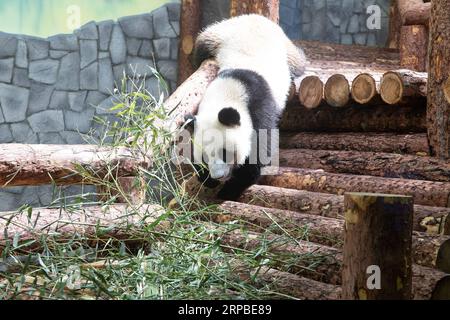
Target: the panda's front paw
(229, 194)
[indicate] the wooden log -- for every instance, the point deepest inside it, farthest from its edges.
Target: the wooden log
(190, 22)
(397, 86)
(428, 250)
(28, 229)
(438, 110)
(337, 91)
(311, 92)
(297, 287)
(355, 119)
(425, 219)
(364, 88)
(427, 283)
(389, 165)
(414, 47)
(429, 193)
(414, 12)
(23, 165)
(267, 8)
(377, 243)
(375, 142)
(395, 25)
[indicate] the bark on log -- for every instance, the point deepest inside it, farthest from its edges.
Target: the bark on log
(337, 91)
(425, 219)
(311, 92)
(114, 221)
(267, 8)
(298, 287)
(389, 165)
(438, 111)
(427, 283)
(375, 142)
(436, 194)
(414, 47)
(23, 165)
(364, 88)
(129, 190)
(428, 250)
(377, 233)
(414, 12)
(403, 86)
(190, 22)
(395, 25)
(355, 119)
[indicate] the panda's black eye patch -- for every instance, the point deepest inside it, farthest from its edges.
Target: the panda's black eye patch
(229, 117)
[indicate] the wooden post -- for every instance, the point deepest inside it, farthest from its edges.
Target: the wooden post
(377, 247)
(438, 110)
(189, 28)
(414, 47)
(267, 8)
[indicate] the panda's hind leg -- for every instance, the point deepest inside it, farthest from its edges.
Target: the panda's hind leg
(242, 178)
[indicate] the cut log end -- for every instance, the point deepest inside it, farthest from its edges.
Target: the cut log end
(364, 88)
(337, 91)
(442, 289)
(311, 92)
(443, 257)
(391, 88)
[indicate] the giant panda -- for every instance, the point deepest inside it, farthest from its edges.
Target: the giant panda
(256, 62)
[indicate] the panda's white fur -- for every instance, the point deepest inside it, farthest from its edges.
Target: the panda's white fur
(257, 62)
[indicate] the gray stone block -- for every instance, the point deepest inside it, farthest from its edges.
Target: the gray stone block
(168, 69)
(139, 67)
(306, 15)
(319, 4)
(38, 49)
(103, 55)
(2, 119)
(89, 77)
(174, 10)
(133, 46)
(353, 26)
(59, 100)
(138, 26)
(6, 69)
(22, 55)
(5, 134)
(162, 48)
(118, 47)
(346, 39)
(94, 98)
(14, 102)
(287, 15)
(77, 100)
(88, 31)
(88, 52)
(28, 196)
(360, 38)
(8, 201)
(47, 121)
(67, 42)
(50, 138)
(79, 121)
(371, 40)
(58, 54)
(174, 47)
(44, 71)
(176, 27)
(72, 137)
(8, 45)
(105, 106)
(22, 133)
(161, 24)
(146, 50)
(20, 78)
(119, 73)
(69, 72)
(106, 76)
(105, 29)
(153, 86)
(40, 95)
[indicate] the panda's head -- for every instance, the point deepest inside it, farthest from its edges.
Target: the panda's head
(223, 128)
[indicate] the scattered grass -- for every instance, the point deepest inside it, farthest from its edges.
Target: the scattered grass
(185, 260)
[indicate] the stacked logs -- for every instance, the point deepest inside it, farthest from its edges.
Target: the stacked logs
(341, 89)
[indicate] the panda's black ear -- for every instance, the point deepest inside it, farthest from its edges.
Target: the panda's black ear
(229, 117)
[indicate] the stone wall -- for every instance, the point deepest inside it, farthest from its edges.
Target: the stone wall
(334, 21)
(51, 89)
